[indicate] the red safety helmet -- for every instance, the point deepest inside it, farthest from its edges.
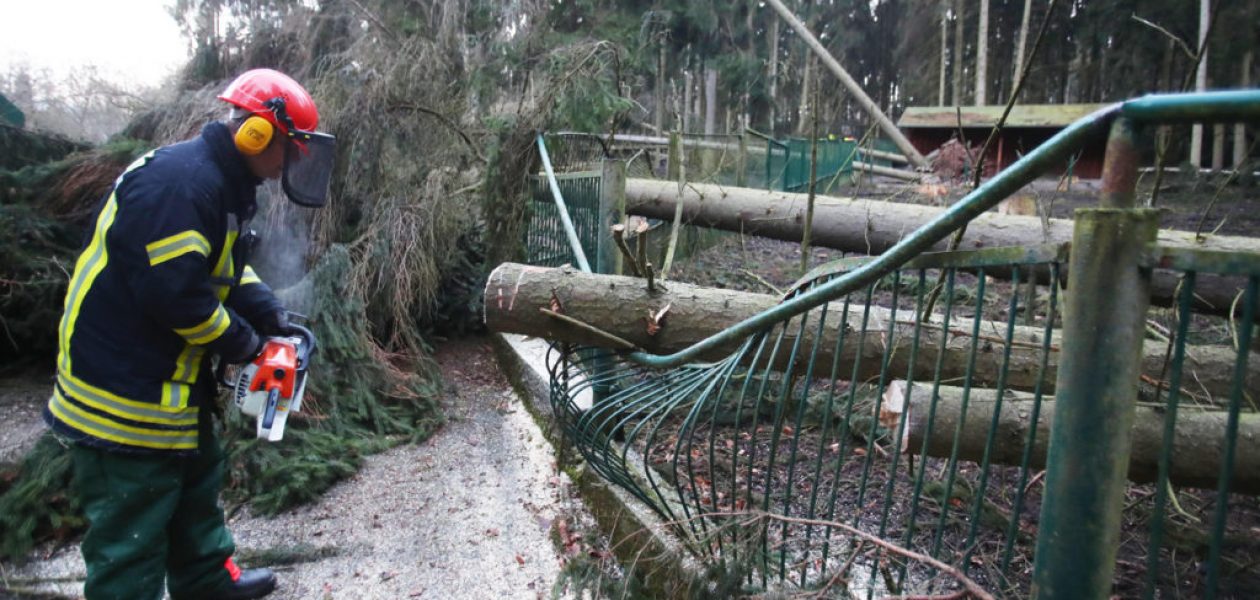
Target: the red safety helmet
(287, 106)
(255, 91)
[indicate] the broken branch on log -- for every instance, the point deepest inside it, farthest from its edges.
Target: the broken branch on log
(619, 235)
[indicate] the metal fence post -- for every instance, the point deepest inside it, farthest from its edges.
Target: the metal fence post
(1119, 178)
(1095, 393)
(612, 211)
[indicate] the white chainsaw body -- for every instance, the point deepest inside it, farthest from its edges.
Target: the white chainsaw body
(271, 386)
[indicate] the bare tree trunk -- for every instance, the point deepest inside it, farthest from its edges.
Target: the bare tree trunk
(774, 71)
(885, 124)
(620, 306)
(959, 47)
(710, 99)
(1218, 147)
(1198, 448)
(871, 227)
(1200, 82)
(807, 81)
(813, 184)
(659, 121)
(686, 101)
(1023, 42)
(1240, 129)
(982, 55)
(697, 97)
(940, 87)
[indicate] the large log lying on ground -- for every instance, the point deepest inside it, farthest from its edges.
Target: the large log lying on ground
(516, 295)
(873, 226)
(1197, 452)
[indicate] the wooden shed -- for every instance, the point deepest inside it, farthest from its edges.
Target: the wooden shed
(1026, 128)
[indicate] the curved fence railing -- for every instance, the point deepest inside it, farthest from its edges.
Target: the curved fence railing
(885, 430)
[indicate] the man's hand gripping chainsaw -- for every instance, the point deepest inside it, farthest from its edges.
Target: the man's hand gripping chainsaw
(271, 386)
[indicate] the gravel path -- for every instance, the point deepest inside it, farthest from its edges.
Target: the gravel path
(467, 514)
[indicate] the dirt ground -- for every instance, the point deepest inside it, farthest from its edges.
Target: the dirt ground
(477, 511)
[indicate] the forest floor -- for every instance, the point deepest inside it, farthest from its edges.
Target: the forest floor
(477, 511)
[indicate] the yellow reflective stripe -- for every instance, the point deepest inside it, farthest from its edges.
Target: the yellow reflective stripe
(147, 412)
(177, 245)
(223, 268)
(89, 265)
(175, 394)
(100, 427)
(209, 330)
(250, 276)
(188, 364)
(86, 269)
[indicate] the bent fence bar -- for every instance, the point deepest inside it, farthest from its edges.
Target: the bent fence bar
(764, 469)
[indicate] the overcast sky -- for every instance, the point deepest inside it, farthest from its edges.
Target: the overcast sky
(131, 41)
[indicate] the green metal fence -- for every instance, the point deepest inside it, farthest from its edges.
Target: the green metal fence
(545, 242)
(835, 157)
(891, 428)
(1216, 524)
(810, 419)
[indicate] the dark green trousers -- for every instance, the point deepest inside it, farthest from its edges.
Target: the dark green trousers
(153, 518)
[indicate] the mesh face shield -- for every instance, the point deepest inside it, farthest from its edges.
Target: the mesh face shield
(308, 166)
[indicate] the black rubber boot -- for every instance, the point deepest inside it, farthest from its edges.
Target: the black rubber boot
(253, 583)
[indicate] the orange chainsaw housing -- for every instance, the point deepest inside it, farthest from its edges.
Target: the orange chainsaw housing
(277, 368)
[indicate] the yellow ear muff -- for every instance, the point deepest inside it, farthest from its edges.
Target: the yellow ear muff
(254, 135)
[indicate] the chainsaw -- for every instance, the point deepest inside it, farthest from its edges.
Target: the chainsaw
(270, 387)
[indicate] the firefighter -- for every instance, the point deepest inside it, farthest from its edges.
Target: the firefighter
(162, 288)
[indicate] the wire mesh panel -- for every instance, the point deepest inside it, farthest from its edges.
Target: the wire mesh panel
(1197, 526)
(788, 165)
(546, 243)
(911, 411)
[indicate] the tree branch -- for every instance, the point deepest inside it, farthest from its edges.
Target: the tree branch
(969, 586)
(445, 121)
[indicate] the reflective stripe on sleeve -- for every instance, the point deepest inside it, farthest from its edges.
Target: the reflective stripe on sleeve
(177, 245)
(250, 276)
(209, 330)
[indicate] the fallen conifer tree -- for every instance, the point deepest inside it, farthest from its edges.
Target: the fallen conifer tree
(1197, 452)
(871, 226)
(621, 312)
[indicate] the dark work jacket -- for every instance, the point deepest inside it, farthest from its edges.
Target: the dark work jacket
(156, 292)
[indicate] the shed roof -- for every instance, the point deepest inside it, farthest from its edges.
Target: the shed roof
(1027, 115)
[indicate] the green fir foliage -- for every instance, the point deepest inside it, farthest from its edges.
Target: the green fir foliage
(35, 501)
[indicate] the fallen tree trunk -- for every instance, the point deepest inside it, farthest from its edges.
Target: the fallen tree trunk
(887, 171)
(872, 226)
(1197, 452)
(885, 124)
(517, 294)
